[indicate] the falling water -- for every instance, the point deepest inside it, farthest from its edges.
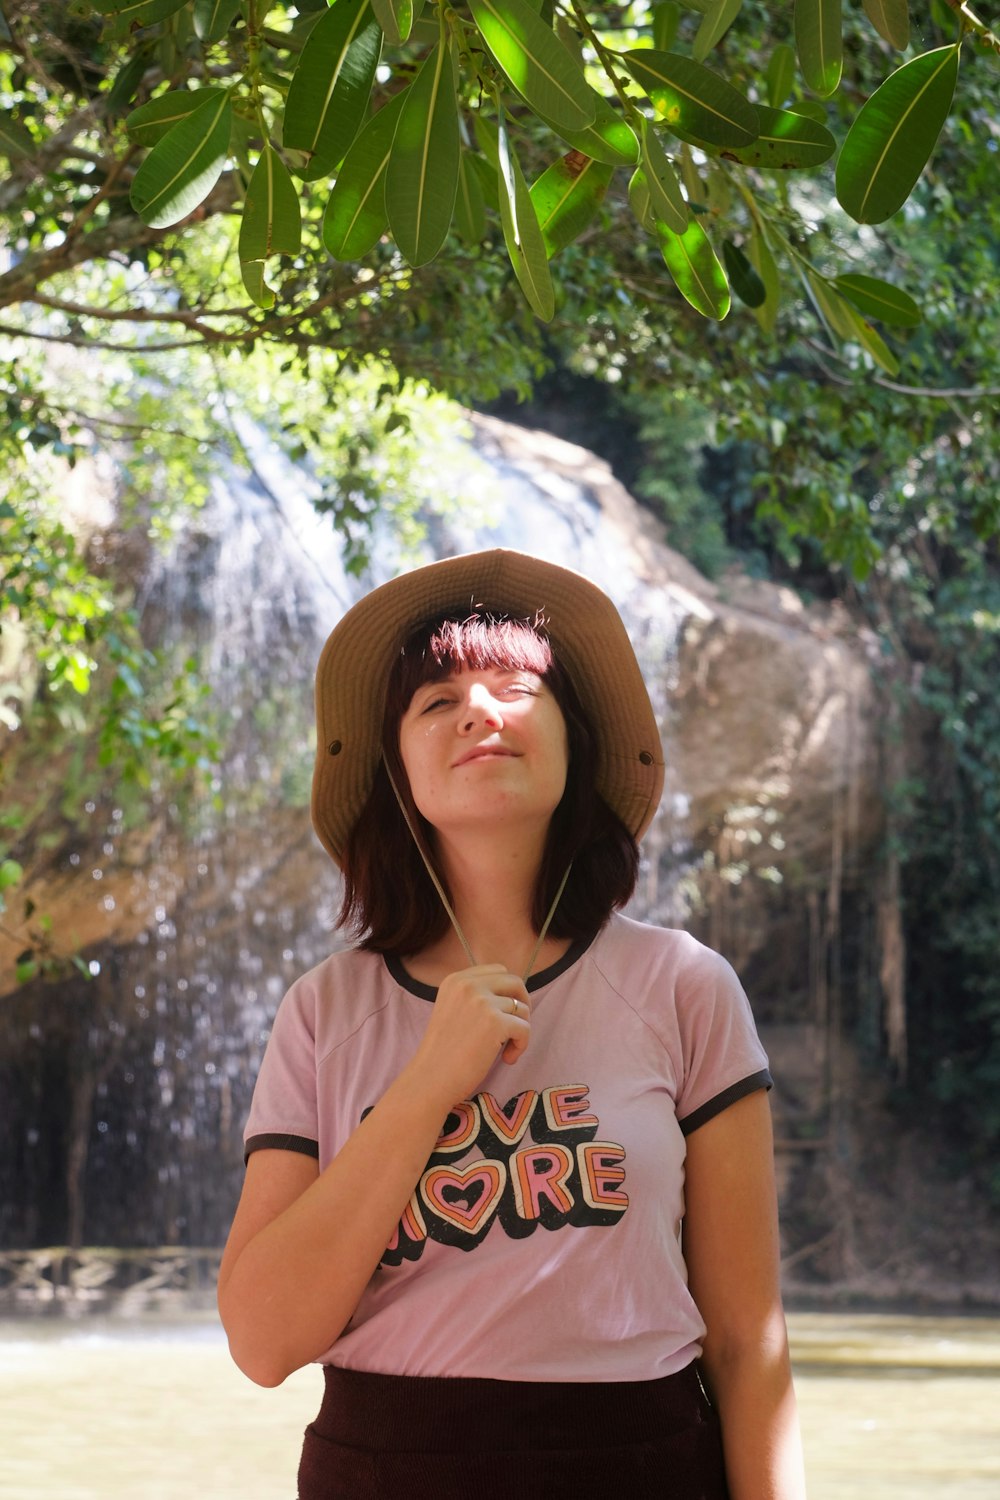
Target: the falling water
(240, 897)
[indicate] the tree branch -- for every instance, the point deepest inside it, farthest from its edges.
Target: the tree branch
(83, 343)
(20, 283)
(139, 314)
(942, 393)
(94, 418)
(979, 28)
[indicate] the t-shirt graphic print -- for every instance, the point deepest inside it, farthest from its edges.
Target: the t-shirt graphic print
(536, 1160)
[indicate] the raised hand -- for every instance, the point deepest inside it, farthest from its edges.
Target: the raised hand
(477, 1012)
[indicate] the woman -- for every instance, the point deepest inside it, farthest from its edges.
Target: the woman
(475, 1134)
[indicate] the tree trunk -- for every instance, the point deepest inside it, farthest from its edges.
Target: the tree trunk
(84, 1084)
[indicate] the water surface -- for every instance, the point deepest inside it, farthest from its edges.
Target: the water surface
(101, 1409)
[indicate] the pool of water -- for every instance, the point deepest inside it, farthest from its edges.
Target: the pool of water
(100, 1409)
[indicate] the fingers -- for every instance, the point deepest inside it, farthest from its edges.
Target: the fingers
(515, 1046)
(492, 984)
(514, 1007)
(516, 1018)
(478, 1013)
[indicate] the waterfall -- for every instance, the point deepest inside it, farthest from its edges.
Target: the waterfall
(195, 922)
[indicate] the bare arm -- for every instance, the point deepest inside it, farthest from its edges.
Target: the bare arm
(304, 1244)
(732, 1253)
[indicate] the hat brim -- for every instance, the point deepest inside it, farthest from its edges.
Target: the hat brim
(587, 636)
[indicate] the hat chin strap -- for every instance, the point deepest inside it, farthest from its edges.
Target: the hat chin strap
(444, 896)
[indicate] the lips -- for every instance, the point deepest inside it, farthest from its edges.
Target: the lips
(484, 752)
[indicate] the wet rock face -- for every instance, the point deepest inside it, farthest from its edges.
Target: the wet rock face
(768, 712)
(767, 707)
(770, 732)
(774, 704)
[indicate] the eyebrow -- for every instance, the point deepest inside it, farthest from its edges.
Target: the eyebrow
(434, 684)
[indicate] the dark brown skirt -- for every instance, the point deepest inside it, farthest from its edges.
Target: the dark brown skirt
(398, 1437)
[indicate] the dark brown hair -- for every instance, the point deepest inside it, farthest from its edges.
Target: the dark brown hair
(390, 904)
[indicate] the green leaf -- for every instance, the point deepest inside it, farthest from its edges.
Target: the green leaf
(892, 138)
(14, 139)
(667, 202)
(489, 179)
(536, 62)
(610, 139)
(714, 24)
(834, 311)
(763, 263)
(697, 193)
(570, 39)
(521, 232)
(787, 141)
(134, 13)
(331, 86)
(355, 216)
(395, 18)
(425, 30)
(213, 18)
(695, 268)
(810, 109)
(691, 96)
(150, 122)
(422, 176)
(10, 873)
(639, 202)
(25, 969)
(470, 206)
(780, 75)
(880, 299)
(891, 19)
(182, 168)
(127, 80)
(567, 196)
(743, 277)
(819, 43)
(720, 197)
(666, 20)
(864, 334)
(272, 223)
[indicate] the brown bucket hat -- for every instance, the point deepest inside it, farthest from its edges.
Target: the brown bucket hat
(587, 636)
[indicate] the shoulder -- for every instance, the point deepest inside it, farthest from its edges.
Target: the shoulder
(679, 986)
(333, 997)
(668, 954)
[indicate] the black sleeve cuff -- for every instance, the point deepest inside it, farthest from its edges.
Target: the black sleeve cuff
(298, 1143)
(706, 1112)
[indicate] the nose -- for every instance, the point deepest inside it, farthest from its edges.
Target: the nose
(481, 709)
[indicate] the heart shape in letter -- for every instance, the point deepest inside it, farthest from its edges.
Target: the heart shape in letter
(464, 1197)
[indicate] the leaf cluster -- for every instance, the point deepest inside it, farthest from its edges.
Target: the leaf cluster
(394, 134)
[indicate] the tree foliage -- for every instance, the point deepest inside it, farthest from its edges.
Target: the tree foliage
(387, 135)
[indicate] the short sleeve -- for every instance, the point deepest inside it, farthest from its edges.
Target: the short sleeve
(722, 1055)
(284, 1110)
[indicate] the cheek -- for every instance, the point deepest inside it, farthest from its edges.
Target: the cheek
(559, 755)
(417, 751)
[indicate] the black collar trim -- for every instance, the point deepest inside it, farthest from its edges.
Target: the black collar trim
(537, 981)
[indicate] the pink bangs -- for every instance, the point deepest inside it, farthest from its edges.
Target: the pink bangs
(478, 642)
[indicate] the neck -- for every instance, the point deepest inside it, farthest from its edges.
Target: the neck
(492, 888)
(492, 894)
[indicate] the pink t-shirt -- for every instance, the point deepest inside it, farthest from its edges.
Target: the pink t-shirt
(542, 1242)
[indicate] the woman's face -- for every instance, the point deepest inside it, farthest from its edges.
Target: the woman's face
(485, 745)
